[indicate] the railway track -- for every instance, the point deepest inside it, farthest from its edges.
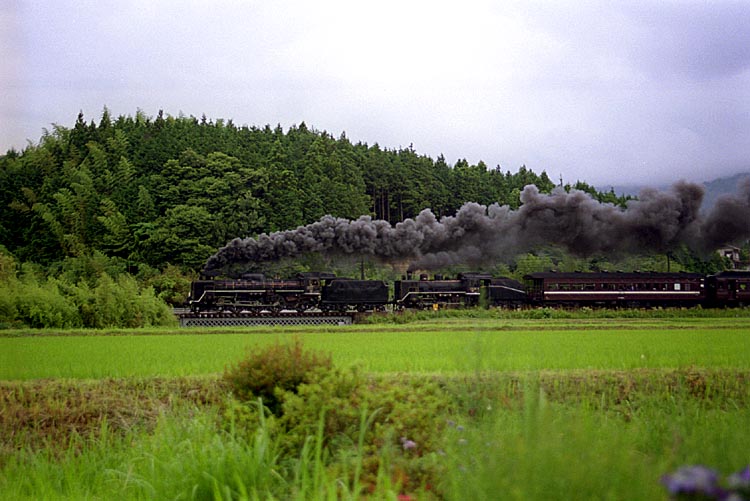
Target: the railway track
(226, 319)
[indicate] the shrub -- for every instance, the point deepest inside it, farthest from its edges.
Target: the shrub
(122, 303)
(272, 370)
(388, 424)
(43, 306)
(171, 285)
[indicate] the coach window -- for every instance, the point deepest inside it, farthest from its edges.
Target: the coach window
(677, 287)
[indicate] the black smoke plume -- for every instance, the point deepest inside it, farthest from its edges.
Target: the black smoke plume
(657, 222)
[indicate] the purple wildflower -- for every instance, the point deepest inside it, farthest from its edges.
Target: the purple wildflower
(740, 481)
(695, 481)
(408, 444)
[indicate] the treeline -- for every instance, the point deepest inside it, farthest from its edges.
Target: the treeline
(152, 191)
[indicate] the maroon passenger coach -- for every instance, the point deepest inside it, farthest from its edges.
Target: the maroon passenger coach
(616, 289)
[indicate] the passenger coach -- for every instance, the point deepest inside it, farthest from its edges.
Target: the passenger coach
(616, 289)
(729, 288)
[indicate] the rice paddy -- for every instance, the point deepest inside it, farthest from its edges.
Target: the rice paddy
(583, 408)
(448, 346)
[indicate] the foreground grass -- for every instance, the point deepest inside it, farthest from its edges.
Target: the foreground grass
(446, 345)
(582, 435)
(449, 408)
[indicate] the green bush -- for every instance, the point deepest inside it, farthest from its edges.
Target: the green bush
(122, 303)
(274, 369)
(385, 424)
(171, 285)
(42, 306)
(8, 311)
(53, 303)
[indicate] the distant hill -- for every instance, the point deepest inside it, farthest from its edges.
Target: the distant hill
(720, 186)
(714, 188)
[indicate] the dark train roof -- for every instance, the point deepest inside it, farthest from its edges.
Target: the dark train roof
(475, 275)
(512, 282)
(733, 274)
(323, 275)
(604, 275)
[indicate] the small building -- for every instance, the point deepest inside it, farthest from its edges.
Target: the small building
(732, 253)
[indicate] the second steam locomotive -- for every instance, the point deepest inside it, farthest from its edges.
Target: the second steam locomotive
(255, 293)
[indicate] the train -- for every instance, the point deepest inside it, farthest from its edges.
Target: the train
(325, 292)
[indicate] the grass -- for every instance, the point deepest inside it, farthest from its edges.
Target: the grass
(559, 408)
(438, 346)
(532, 437)
(550, 450)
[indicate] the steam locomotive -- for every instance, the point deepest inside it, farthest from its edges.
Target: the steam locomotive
(328, 293)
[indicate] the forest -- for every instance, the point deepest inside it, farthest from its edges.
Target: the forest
(153, 197)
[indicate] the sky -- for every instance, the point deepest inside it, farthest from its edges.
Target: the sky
(642, 92)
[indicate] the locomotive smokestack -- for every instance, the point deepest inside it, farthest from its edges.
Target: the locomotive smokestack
(658, 221)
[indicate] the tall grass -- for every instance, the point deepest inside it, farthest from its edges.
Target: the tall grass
(553, 450)
(186, 457)
(533, 447)
(189, 456)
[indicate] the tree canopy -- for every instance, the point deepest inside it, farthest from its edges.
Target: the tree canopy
(171, 190)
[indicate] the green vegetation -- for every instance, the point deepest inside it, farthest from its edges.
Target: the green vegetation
(169, 189)
(77, 299)
(347, 434)
(439, 346)
(273, 369)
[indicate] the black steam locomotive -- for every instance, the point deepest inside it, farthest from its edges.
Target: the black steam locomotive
(255, 293)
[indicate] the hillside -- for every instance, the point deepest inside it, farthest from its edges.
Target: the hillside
(714, 188)
(173, 189)
(721, 186)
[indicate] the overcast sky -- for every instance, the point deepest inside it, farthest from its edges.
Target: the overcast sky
(606, 92)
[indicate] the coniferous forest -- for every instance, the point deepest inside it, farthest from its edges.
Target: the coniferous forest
(154, 197)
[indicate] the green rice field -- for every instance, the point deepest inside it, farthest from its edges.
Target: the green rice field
(437, 409)
(450, 345)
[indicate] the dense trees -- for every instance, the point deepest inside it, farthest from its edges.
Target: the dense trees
(173, 189)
